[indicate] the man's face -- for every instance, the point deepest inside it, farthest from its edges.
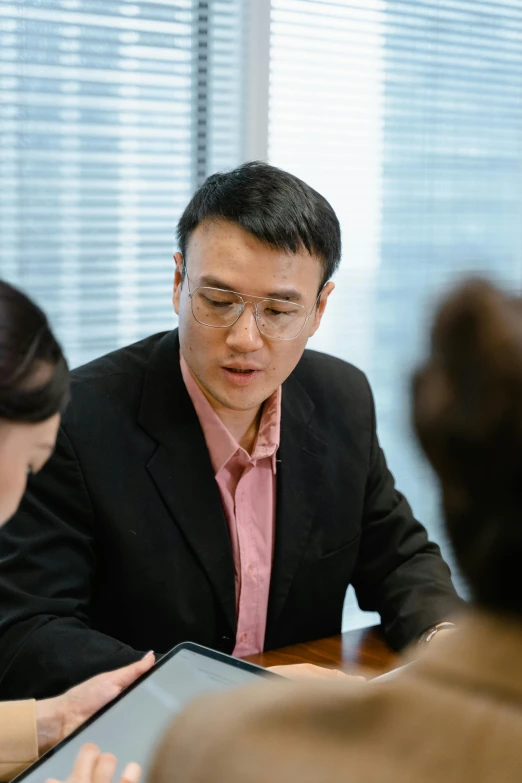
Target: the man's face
(223, 255)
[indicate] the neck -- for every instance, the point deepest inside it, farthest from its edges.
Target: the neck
(242, 425)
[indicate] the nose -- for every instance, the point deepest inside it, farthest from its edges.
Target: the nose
(244, 336)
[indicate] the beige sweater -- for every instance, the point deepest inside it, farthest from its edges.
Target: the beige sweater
(18, 737)
(455, 716)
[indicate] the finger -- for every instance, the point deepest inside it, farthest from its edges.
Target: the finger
(300, 671)
(296, 671)
(85, 763)
(104, 769)
(333, 674)
(131, 773)
(124, 677)
(281, 668)
(337, 674)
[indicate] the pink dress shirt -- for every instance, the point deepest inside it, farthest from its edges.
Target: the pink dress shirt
(247, 485)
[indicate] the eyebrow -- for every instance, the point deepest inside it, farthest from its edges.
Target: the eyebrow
(287, 294)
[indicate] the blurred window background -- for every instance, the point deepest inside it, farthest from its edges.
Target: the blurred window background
(406, 115)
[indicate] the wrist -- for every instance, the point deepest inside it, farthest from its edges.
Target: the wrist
(49, 723)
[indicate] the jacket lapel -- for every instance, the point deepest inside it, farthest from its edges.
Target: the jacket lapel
(300, 472)
(182, 471)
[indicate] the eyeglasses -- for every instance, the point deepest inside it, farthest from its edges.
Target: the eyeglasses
(276, 319)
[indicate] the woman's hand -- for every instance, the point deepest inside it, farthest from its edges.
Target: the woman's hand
(92, 766)
(309, 671)
(57, 717)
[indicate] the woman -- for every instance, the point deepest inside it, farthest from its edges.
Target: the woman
(34, 389)
(455, 714)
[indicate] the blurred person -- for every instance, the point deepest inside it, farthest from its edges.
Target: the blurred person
(455, 713)
(224, 485)
(34, 389)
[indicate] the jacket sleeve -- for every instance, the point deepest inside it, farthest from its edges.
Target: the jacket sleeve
(18, 738)
(48, 560)
(400, 573)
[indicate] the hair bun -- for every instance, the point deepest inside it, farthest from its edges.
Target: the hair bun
(468, 416)
(476, 360)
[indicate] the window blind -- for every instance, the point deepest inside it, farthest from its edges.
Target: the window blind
(111, 113)
(407, 115)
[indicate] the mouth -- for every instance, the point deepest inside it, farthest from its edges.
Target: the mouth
(240, 376)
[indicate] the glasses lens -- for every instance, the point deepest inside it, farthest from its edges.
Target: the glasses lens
(213, 307)
(282, 320)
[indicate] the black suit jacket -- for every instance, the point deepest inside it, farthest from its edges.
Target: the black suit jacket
(121, 544)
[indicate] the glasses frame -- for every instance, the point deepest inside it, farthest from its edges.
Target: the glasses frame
(254, 305)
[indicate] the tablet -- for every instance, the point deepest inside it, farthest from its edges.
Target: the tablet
(132, 724)
(391, 675)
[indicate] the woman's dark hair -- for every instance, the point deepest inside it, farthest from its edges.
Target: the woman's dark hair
(274, 206)
(467, 411)
(28, 351)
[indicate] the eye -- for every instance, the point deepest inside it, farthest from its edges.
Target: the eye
(216, 303)
(272, 311)
(219, 304)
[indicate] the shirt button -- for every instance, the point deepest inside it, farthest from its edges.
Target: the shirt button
(250, 570)
(244, 637)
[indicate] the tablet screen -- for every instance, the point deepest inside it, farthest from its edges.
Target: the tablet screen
(132, 725)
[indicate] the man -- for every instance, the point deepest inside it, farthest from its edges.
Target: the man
(454, 715)
(217, 483)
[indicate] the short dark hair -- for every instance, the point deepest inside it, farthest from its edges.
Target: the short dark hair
(27, 343)
(272, 205)
(467, 412)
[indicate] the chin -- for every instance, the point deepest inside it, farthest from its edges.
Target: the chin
(240, 401)
(247, 404)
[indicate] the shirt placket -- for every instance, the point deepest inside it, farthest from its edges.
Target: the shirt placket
(249, 590)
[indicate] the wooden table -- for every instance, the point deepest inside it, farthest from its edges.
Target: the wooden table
(364, 648)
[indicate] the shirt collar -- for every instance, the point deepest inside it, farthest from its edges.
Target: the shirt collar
(221, 444)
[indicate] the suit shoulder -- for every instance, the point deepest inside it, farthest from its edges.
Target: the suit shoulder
(325, 374)
(109, 387)
(129, 360)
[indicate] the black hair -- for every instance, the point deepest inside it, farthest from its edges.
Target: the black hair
(27, 345)
(468, 415)
(274, 206)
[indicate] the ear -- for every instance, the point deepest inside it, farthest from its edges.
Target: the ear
(178, 260)
(321, 307)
